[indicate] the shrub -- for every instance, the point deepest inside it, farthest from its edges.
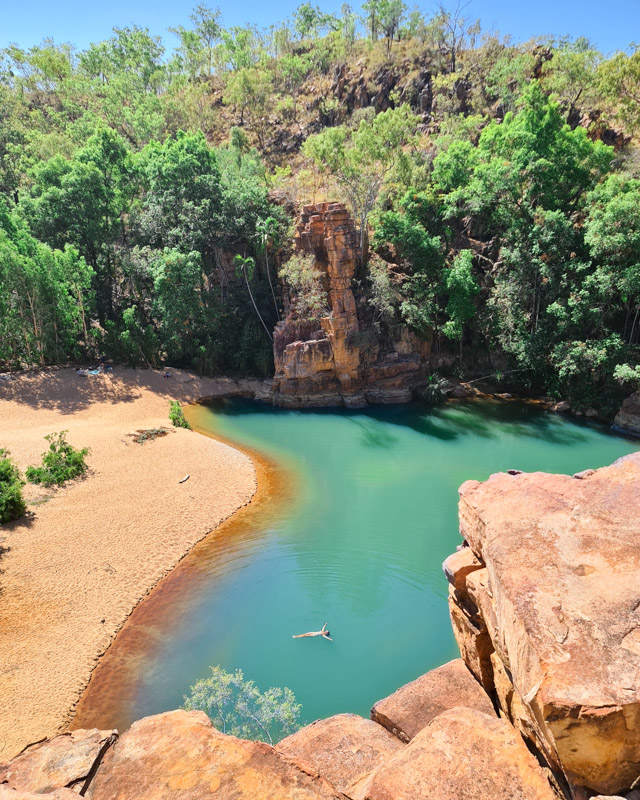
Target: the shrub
(309, 298)
(176, 415)
(238, 707)
(12, 504)
(60, 463)
(435, 390)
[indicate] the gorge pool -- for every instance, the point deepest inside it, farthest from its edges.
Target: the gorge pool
(352, 531)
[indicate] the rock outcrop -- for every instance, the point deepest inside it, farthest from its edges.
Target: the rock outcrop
(463, 753)
(345, 749)
(406, 712)
(180, 754)
(627, 420)
(339, 359)
(68, 760)
(546, 610)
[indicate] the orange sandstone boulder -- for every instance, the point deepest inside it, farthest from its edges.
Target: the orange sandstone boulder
(459, 565)
(406, 712)
(181, 755)
(561, 599)
(343, 749)
(65, 760)
(7, 793)
(462, 754)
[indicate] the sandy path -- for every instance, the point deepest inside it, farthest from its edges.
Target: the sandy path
(71, 574)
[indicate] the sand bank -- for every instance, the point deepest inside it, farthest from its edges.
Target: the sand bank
(72, 572)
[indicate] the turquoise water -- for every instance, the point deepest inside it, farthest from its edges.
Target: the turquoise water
(360, 547)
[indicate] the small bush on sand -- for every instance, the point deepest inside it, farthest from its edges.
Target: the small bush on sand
(12, 504)
(60, 463)
(176, 415)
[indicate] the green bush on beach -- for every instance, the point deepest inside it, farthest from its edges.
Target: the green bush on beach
(12, 505)
(176, 415)
(60, 463)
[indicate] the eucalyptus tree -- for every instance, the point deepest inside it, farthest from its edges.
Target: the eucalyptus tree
(362, 159)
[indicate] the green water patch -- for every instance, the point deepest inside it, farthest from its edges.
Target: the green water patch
(359, 544)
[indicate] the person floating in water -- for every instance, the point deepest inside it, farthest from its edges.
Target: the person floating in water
(324, 632)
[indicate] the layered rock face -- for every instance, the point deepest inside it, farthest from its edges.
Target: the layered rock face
(338, 360)
(627, 420)
(545, 604)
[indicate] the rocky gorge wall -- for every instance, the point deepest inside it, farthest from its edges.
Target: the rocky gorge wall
(339, 359)
(543, 704)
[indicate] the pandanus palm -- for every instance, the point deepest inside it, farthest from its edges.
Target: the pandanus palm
(245, 268)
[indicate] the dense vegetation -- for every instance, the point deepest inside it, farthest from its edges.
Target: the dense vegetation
(147, 196)
(12, 505)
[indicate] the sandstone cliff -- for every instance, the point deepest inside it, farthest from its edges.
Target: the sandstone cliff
(545, 605)
(340, 359)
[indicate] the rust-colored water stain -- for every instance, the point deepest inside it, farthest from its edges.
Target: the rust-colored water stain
(106, 701)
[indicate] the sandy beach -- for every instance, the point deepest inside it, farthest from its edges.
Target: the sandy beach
(72, 571)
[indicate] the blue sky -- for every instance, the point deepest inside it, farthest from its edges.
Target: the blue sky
(27, 22)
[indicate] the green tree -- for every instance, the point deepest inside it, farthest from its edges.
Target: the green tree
(309, 299)
(267, 231)
(294, 68)
(12, 505)
(46, 303)
(245, 268)
(462, 287)
(619, 84)
(81, 202)
(361, 160)
(60, 463)
(236, 706)
(182, 195)
(612, 233)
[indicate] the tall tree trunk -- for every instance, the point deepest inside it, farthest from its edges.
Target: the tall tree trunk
(273, 294)
(246, 280)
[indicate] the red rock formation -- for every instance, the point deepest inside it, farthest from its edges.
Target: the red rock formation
(345, 749)
(67, 760)
(463, 753)
(406, 712)
(181, 755)
(551, 618)
(323, 362)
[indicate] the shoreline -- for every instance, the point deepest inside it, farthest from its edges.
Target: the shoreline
(73, 571)
(104, 701)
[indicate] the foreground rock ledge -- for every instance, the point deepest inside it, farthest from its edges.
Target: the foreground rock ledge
(180, 754)
(463, 753)
(550, 614)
